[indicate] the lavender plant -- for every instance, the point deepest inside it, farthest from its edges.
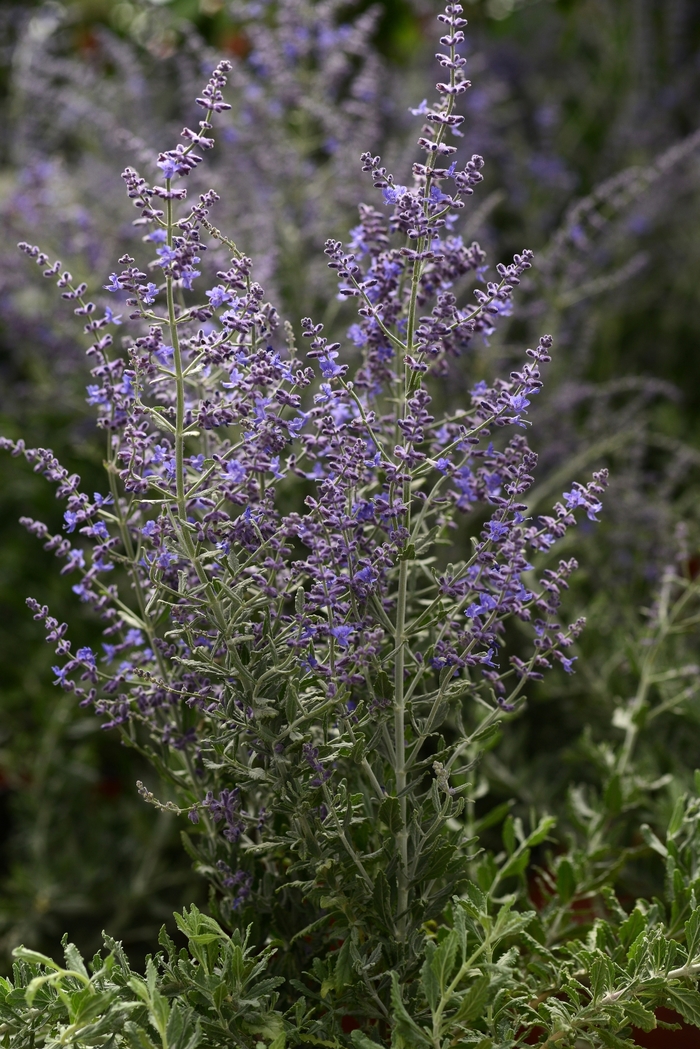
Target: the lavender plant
(287, 644)
(311, 679)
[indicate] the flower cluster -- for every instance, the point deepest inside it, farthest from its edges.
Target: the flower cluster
(286, 613)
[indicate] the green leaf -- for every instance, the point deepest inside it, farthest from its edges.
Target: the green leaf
(434, 862)
(342, 972)
(35, 986)
(444, 959)
(136, 1037)
(34, 958)
(686, 1002)
(630, 929)
(541, 831)
(203, 938)
(89, 1004)
(381, 898)
(508, 834)
(114, 947)
(390, 814)
(638, 1016)
(692, 934)
(404, 1024)
(612, 1041)
(482, 735)
(566, 881)
(652, 841)
(473, 1002)
(431, 988)
(613, 794)
(74, 959)
(602, 976)
(383, 686)
(494, 816)
(477, 898)
(361, 1041)
(678, 816)
(516, 865)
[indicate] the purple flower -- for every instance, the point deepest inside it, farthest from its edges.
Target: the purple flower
(328, 369)
(114, 283)
(168, 167)
(86, 655)
(236, 471)
(149, 292)
(218, 296)
(421, 110)
(357, 336)
(392, 193)
(167, 255)
(342, 635)
(497, 530)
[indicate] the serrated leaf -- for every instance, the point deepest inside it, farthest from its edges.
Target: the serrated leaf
(613, 794)
(431, 988)
(342, 972)
(630, 929)
(35, 986)
(404, 1024)
(472, 1004)
(686, 1002)
(477, 899)
(566, 881)
(677, 817)
(692, 934)
(361, 1041)
(494, 816)
(652, 841)
(612, 1041)
(516, 865)
(74, 959)
(638, 1016)
(483, 735)
(115, 947)
(92, 1005)
(34, 958)
(390, 814)
(381, 898)
(541, 831)
(444, 959)
(508, 834)
(602, 976)
(136, 1037)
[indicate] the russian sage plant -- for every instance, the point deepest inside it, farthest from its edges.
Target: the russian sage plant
(289, 644)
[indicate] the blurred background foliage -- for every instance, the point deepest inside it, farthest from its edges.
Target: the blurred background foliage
(586, 113)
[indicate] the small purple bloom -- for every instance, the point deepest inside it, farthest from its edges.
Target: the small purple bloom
(342, 635)
(218, 296)
(236, 471)
(149, 292)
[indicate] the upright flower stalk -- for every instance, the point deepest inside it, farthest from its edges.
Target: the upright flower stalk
(308, 673)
